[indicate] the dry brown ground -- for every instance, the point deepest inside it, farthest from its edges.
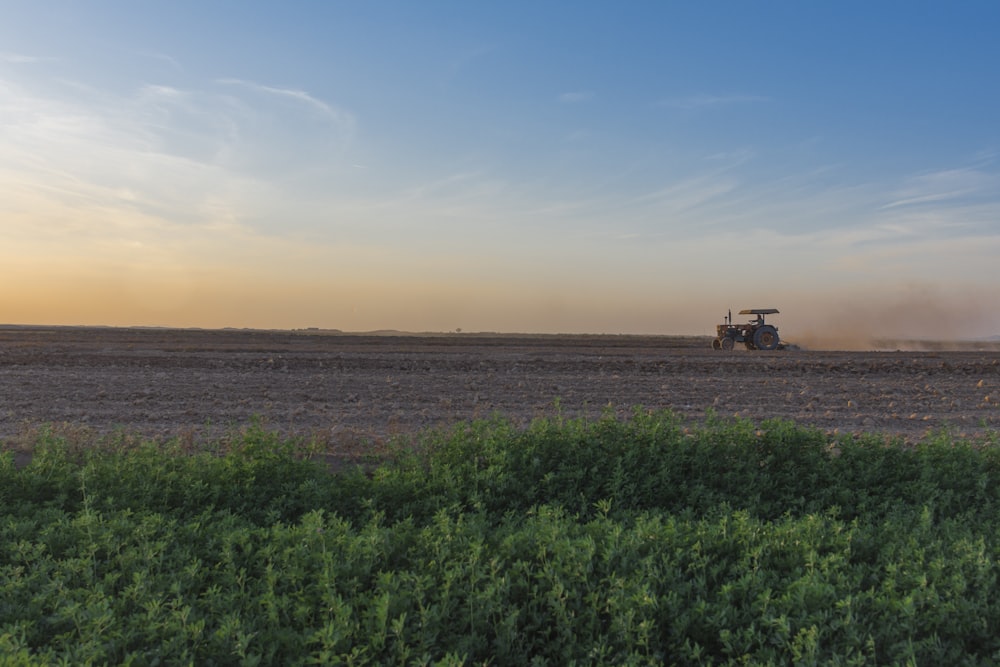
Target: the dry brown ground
(354, 390)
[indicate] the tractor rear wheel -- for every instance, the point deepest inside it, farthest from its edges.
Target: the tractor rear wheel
(727, 343)
(766, 338)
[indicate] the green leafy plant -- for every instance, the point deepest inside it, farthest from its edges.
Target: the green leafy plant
(641, 540)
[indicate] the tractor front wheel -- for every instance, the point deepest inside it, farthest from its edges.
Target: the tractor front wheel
(716, 344)
(727, 344)
(766, 338)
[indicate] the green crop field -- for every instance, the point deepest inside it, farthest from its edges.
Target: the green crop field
(635, 541)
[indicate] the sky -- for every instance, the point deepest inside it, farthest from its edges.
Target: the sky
(518, 166)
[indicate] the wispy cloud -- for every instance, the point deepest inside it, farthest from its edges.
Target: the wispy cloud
(185, 157)
(21, 59)
(688, 194)
(813, 215)
(704, 101)
(924, 199)
(945, 185)
(173, 63)
(295, 95)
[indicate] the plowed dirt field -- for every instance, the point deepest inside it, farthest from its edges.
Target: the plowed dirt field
(354, 390)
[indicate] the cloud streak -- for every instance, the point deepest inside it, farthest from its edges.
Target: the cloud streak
(301, 96)
(945, 185)
(22, 59)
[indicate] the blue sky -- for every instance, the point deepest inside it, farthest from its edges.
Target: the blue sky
(545, 166)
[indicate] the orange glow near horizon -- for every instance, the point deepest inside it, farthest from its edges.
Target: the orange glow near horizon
(228, 297)
(96, 266)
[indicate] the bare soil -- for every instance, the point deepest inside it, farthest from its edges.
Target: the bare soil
(354, 391)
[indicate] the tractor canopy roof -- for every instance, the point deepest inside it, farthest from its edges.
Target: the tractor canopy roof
(759, 311)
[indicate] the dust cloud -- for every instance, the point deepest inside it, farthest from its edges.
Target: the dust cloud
(915, 319)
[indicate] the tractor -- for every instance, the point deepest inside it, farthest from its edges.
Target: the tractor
(756, 334)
